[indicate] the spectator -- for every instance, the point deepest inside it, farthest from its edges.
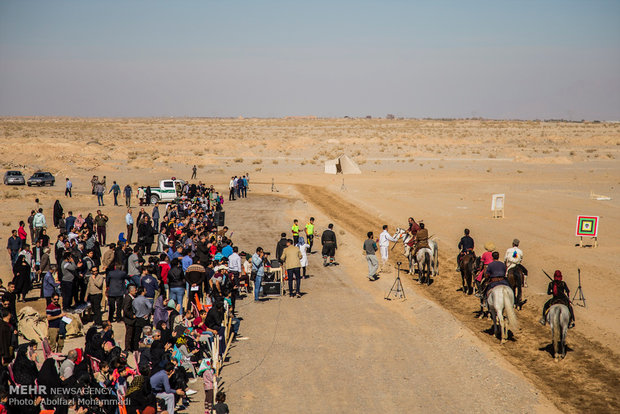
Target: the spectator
(50, 285)
(54, 320)
(116, 290)
(94, 290)
(68, 187)
(115, 190)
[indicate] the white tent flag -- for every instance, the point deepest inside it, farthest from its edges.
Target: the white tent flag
(342, 165)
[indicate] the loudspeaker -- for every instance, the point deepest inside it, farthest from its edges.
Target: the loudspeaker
(271, 288)
(219, 217)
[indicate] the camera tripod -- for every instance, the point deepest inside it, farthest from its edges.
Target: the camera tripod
(579, 293)
(397, 287)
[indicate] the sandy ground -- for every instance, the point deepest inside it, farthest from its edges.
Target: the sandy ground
(443, 172)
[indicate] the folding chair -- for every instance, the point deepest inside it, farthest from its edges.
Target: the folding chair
(10, 368)
(47, 350)
(94, 363)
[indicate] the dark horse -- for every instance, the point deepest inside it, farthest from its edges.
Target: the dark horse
(467, 265)
(515, 279)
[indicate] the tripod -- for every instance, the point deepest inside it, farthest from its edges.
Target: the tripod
(397, 287)
(579, 292)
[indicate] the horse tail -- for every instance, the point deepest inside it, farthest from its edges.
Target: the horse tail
(510, 309)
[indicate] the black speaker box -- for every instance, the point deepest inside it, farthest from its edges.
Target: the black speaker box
(271, 288)
(219, 217)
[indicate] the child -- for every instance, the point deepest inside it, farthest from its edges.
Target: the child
(221, 407)
(147, 337)
(103, 376)
(208, 376)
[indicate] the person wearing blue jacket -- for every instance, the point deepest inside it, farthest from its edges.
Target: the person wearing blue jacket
(50, 285)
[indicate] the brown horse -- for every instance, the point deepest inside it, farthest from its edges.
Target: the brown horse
(515, 279)
(467, 266)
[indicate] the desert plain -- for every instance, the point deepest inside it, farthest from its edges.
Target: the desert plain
(342, 347)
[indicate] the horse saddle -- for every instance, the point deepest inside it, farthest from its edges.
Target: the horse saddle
(558, 301)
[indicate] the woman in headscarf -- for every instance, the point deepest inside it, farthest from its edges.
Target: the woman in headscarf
(162, 326)
(21, 278)
(25, 369)
(160, 310)
(139, 394)
(49, 377)
(89, 221)
(93, 342)
(79, 221)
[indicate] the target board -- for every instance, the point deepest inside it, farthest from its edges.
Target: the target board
(587, 226)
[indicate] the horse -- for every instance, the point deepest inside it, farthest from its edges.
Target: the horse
(408, 251)
(499, 299)
(515, 279)
(467, 266)
(425, 265)
(559, 319)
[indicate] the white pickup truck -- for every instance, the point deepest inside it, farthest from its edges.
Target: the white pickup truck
(168, 190)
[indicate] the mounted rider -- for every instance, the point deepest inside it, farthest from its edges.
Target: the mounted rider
(513, 258)
(485, 260)
(412, 231)
(559, 289)
(466, 246)
(495, 274)
(421, 239)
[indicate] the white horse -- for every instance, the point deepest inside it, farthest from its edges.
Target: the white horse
(426, 266)
(408, 252)
(559, 319)
(501, 298)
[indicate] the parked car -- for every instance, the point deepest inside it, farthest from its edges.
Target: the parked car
(41, 178)
(14, 178)
(168, 190)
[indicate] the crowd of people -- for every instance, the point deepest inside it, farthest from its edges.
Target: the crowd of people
(172, 299)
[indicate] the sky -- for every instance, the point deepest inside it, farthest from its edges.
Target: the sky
(227, 58)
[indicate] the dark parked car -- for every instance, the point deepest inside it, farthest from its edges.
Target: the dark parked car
(14, 178)
(41, 178)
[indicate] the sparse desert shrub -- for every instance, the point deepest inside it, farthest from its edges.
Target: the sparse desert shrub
(491, 155)
(275, 162)
(238, 159)
(257, 162)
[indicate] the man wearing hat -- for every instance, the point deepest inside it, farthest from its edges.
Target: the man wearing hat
(513, 257)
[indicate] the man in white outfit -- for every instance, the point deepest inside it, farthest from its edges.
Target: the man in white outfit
(514, 256)
(384, 244)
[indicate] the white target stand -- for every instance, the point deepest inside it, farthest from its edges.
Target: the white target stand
(497, 205)
(587, 226)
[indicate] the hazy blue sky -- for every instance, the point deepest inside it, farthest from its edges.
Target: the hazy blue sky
(498, 59)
